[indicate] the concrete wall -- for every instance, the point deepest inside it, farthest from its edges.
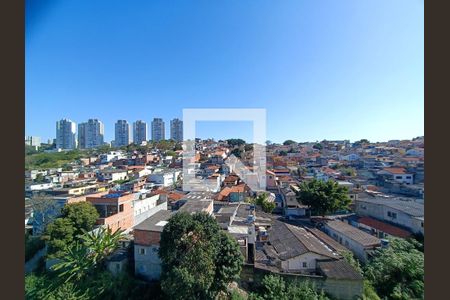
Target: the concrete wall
(117, 267)
(296, 263)
(343, 289)
(147, 264)
(380, 212)
(352, 245)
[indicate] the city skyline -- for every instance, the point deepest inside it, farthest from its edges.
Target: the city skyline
(350, 71)
(168, 134)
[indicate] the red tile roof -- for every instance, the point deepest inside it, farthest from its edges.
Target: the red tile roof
(225, 192)
(395, 170)
(385, 227)
(174, 196)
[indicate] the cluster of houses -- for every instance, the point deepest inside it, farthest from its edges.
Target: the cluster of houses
(139, 192)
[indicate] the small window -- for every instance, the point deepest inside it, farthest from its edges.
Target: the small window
(121, 207)
(305, 265)
(389, 214)
(142, 251)
(118, 267)
(421, 224)
(346, 243)
(398, 177)
(408, 177)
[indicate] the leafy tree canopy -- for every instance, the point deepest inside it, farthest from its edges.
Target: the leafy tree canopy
(289, 142)
(397, 272)
(44, 160)
(274, 287)
(283, 153)
(58, 235)
(235, 142)
(82, 215)
(266, 205)
(85, 256)
(248, 147)
(323, 196)
(184, 239)
(237, 152)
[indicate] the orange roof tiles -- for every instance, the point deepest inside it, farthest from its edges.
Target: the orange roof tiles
(395, 170)
(386, 228)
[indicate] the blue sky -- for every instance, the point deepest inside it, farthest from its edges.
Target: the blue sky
(322, 69)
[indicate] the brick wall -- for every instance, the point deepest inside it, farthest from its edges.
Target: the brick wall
(143, 237)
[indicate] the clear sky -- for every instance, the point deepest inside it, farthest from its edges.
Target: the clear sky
(322, 69)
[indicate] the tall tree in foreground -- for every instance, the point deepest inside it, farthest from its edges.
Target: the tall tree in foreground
(86, 255)
(323, 196)
(198, 259)
(397, 272)
(83, 215)
(76, 219)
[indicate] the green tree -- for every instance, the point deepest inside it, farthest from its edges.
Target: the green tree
(171, 153)
(288, 142)
(274, 287)
(237, 152)
(75, 220)
(369, 292)
(323, 196)
(52, 160)
(101, 242)
(266, 205)
(397, 272)
(30, 150)
(318, 146)
(227, 266)
(347, 171)
(59, 234)
(85, 255)
(283, 153)
(184, 239)
(350, 258)
(235, 142)
(48, 288)
(75, 263)
(165, 145)
(104, 149)
(83, 216)
(39, 178)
